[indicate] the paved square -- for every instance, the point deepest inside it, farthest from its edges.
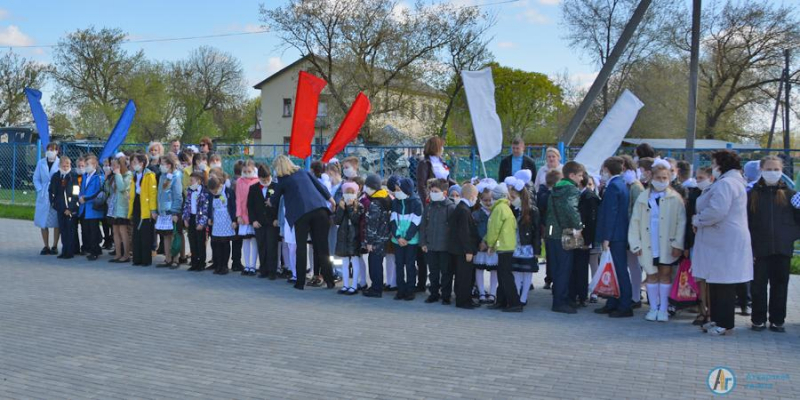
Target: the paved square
(77, 329)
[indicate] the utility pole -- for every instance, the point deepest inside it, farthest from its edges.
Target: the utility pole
(787, 106)
(694, 65)
(605, 73)
(775, 112)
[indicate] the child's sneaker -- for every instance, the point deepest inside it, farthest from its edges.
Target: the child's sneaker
(663, 316)
(652, 315)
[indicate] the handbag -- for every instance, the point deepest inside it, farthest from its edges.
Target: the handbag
(570, 240)
(100, 201)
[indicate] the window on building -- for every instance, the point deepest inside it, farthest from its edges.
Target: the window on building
(287, 107)
(322, 110)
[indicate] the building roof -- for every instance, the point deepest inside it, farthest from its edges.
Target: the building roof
(698, 144)
(280, 72)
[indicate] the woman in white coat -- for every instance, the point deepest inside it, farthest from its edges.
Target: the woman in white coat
(723, 254)
(45, 216)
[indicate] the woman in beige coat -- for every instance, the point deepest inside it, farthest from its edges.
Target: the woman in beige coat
(655, 235)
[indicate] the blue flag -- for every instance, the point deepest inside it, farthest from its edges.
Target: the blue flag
(39, 117)
(120, 131)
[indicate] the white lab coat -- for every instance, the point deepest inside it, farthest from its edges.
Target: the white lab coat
(44, 216)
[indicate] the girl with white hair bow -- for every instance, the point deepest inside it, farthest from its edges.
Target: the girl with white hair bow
(525, 261)
(485, 262)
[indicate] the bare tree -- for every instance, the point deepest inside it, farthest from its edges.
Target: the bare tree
(595, 25)
(379, 47)
(208, 80)
(90, 67)
(17, 73)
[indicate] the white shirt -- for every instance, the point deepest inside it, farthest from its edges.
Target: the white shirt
(193, 201)
(654, 221)
(440, 171)
(139, 182)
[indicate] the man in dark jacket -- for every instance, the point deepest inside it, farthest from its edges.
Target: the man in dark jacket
(612, 231)
(562, 213)
(463, 244)
(265, 222)
(516, 161)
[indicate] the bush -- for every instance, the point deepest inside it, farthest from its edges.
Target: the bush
(795, 265)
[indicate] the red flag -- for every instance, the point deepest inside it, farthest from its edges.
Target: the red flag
(305, 114)
(349, 128)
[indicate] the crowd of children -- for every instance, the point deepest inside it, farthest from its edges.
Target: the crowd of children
(648, 213)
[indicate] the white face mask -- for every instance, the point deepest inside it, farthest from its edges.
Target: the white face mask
(517, 203)
(51, 155)
(703, 185)
(80, 170)
(400, 195)
(350, 172)
(673, 177)
(164, 169)
(202, 165)
(216, 165)
(771, 177)
(250, 175)
(194, 186)
(605, 176)
(107, 169)
(90, 169)
(137, 167)
(349, 197)
(659, 186)
(437, 196)
(715, 173)
(64, 171)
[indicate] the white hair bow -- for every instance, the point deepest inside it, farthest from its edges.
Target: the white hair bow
(193, 149)
(662, 162)
(515, 183)
(486, 183)
(119, 155)
(524, 175)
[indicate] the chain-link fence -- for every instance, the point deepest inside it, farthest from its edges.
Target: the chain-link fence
(18, 160)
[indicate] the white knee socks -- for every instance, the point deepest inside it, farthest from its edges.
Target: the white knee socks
(653, 295)
(250, 253)
(518, 282)
(391, 272)
(526, 286)
(346, 272)
(664, 296)
(290, 257)
(361, 272)
(479, 281)
(493, 283)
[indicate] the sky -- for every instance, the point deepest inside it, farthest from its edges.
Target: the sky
(527, 36)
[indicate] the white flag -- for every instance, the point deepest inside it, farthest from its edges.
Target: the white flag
(607, 137)
(479, 87)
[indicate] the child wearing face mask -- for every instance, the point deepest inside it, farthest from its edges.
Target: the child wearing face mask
(454, 193)
(501, 237)
(348, 246)
(525, 260)
(404, 229)
(774, 227)
(433, 240)
(389, 267)
(80, 230)
(464, 245)
(195, 219)
(142, 210)
(91, 187)
(485, 261)
(222, 219)
(656, 235)
(246, 230)
(170, 202)
(588, 206)
(63, 194)
(264, 219)
(704, 179)
(215, 161)
(376, 222)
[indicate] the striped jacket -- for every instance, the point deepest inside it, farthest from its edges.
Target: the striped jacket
(405, 219)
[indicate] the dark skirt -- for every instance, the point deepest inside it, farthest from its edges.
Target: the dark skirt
(525, 264)
(673, 264)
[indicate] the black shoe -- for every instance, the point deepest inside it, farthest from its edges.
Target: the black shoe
(45, 251)
(54, 250)
(620, 314)
(759, 327)
(299, 287)
(370, 293)
(135, 264)
(512, 309)
(419, 289)
(223, 271)
(635, 305)
(237, 268)
(273, 276)
(409, 297)
(164, 265)
(330, 285)
(777, 328)
(67, 257)
(573, 304)
(92, 257)
(432, 299)
(547, 286)
(145, 265)
(293, 281)
(390, 288)
(603, 310)
(496, 306)
(467, 306)
(445, 302)
(61, 256)
(564, 309)
(399, 296)
(745, 310)
(262, 276)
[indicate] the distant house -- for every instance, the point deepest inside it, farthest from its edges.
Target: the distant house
(278, 98)
(700, 144)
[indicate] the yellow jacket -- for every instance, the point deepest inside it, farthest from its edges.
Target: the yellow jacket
(148, 195)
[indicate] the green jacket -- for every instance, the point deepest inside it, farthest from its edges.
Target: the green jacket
(563, 202)
(501, 233)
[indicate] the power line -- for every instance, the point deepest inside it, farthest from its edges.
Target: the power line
(175, 39)
(497, 3)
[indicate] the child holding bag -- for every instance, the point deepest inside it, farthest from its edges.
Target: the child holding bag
(246, 231)
(525, 259)
(655, 234)
(348, 246)
(222, 218)
(484, 261)
(170, 196)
